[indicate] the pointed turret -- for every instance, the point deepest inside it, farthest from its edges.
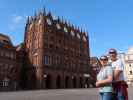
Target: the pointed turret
(58, 19)
(44, 11)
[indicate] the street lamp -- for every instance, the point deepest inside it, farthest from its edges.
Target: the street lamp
(45, 75)
(72, 77)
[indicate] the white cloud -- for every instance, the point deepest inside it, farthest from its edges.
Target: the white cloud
(16, 21)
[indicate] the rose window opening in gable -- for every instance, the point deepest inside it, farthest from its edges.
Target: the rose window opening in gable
(84, 39)
(72, 33)
(49, 22)
(78, 35)
(58, 26)
(65, 29)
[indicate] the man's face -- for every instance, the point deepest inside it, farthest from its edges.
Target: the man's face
(113, 56)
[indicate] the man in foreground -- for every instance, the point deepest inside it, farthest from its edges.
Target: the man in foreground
(119, 84)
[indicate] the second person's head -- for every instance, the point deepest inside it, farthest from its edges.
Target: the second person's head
(104, 60)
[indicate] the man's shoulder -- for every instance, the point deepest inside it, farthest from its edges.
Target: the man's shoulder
(117, 61)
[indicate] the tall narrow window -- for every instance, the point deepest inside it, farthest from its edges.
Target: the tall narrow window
(46, 62)
(131, 72)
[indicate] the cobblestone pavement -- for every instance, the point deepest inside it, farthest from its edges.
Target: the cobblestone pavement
(68, 94)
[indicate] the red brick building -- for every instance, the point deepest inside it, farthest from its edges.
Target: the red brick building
(57, 53)
(20, 52)
(9, 71)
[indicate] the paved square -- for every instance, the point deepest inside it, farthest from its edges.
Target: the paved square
(62, 94)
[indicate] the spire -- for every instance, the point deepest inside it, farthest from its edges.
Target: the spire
(27, 20)
(65, 22)
(35, 14)
(27, 23)
(78, 28)
(75, 27)
(69, 23)
(81, 30)
(44, 11)
(30, 19)
(49, 14)
(40, 12)
(72, 26)
(58, 19)
(62, 19)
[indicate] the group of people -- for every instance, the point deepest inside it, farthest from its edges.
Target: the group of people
(110, 79)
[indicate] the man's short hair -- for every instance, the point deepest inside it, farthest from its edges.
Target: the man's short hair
(112, 51)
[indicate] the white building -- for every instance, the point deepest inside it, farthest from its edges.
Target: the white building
(129, 66)
(127, 59)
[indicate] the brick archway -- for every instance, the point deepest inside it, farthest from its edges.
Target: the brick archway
(81, 82)
(49, 81)
(58, 82)
(67, 79)
(74, 82)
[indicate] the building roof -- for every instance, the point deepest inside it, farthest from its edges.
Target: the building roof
(5, 40)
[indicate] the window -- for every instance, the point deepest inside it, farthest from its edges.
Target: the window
(7, 54)
(65, 29)
(2, 53)
(58, 26)
(31, 26)
(6, 42)
(1, 83)
(51, 39)
(51, 46)
(49, 22)
(46, 38)
(11, 66)
(6, 67)
(1, 64)
(78, 35)
(46, 45)
(47, 60)
(72, 33)
(131, 72)
(12, 55)
(84, 39)
(36, 44)
(5, 83)
(57, 60)
(35, 61)
(40, 21)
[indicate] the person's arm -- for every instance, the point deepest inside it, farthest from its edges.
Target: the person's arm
(117, 74)
(119, 67)
(104, 82)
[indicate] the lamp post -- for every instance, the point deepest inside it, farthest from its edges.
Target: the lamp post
(45, 77)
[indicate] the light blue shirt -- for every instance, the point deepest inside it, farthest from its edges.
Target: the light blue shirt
(103, 74)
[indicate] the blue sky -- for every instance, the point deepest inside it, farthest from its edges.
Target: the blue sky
(109, 22)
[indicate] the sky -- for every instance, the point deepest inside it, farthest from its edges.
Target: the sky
(108, 22)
